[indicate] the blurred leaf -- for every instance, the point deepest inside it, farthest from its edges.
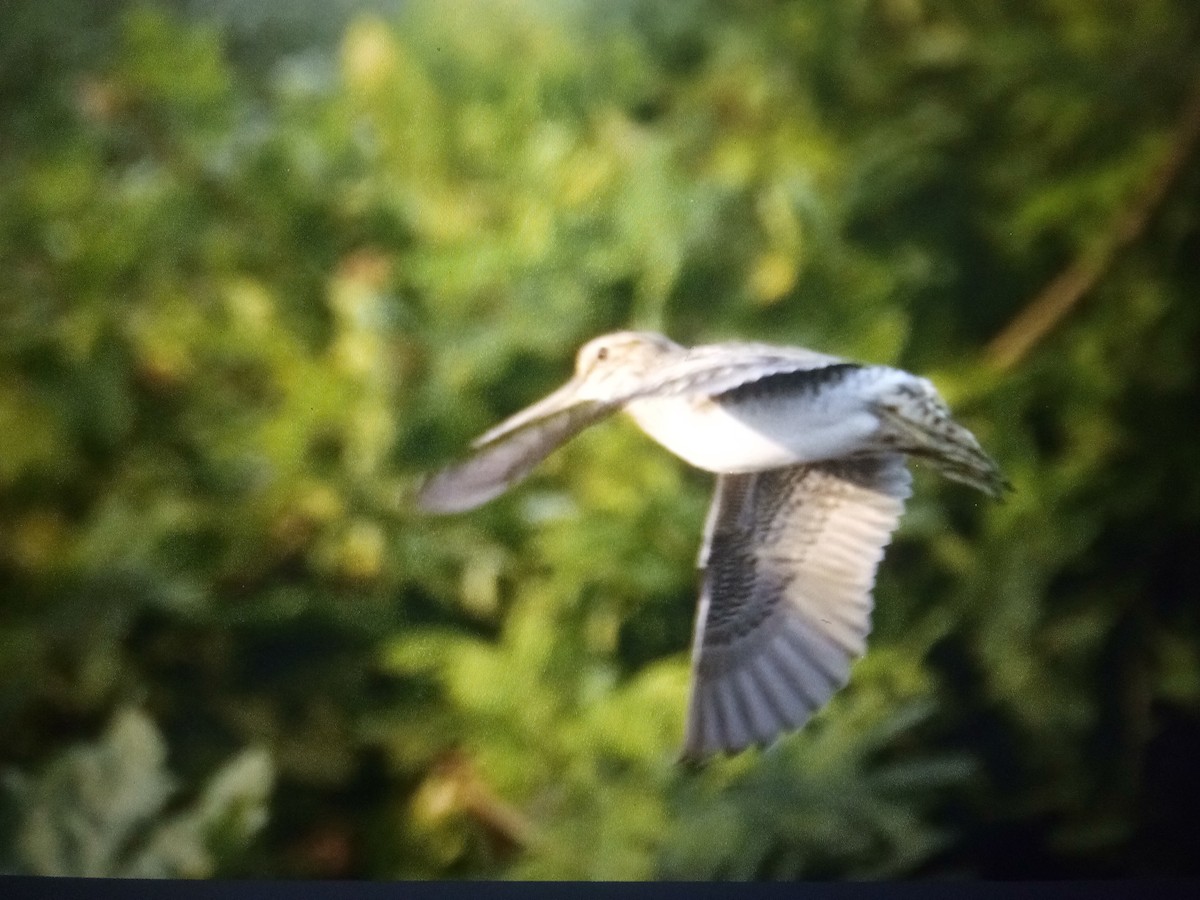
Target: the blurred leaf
(100, 810)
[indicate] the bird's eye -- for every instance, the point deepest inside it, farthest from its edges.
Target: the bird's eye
(602, 354)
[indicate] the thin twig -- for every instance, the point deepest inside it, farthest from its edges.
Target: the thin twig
(1076, 281)
(466, 791)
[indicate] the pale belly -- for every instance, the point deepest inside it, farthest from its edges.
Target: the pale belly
(762, 435)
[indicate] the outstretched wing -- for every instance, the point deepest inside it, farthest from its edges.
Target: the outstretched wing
(509, 452)
(789, 564)
(505, 459)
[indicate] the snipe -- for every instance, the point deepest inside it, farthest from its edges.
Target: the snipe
(809, 452)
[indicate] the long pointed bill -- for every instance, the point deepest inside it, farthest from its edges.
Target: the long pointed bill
(510, 451)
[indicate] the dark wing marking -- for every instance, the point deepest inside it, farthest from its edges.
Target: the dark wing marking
(789, 383)
(715, 369)
(789, 564)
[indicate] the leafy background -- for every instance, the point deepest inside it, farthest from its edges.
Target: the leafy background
(261, 265)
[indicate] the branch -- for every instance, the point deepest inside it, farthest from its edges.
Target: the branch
(455, 786)
(1076, 281)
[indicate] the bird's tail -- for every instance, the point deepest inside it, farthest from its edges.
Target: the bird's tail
(917, 422)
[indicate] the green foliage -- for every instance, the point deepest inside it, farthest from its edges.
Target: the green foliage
(100, 809)
(255, 284)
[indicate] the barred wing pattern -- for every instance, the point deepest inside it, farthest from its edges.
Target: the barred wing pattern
(789, 562)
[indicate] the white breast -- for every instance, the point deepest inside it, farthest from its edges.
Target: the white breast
(770, 431)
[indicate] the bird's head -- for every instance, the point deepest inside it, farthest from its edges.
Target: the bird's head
(608, 363)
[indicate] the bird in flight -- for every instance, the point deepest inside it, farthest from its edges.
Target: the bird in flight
(809, 452)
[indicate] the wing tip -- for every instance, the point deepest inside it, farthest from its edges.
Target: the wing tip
(438, 494)
(768, 697)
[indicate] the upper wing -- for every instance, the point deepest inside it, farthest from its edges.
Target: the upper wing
(507, 453)
(506, 459)
(714, 369)
(789, 563)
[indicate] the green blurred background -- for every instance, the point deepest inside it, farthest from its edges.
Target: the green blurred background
(262, 264)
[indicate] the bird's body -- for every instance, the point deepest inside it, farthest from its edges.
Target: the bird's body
(809, 451)
(758, 427)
